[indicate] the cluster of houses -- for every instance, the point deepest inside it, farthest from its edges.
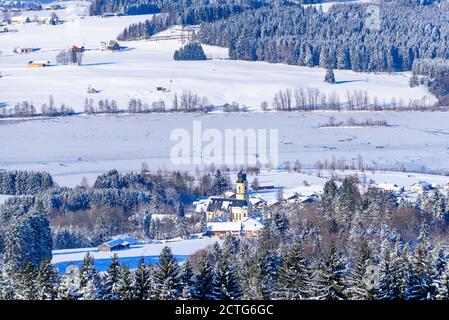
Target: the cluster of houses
(52, 19)
(241, 214)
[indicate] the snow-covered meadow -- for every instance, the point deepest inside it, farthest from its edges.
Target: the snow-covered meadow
(130, 257)
(73, 147)
(138, 70)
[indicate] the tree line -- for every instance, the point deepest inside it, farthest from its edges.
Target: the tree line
(337, 39)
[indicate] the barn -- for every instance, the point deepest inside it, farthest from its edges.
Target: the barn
(118, 243)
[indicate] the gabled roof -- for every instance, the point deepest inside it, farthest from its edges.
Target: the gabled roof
(121, 240)
(252, 225)
(225, 204)
(235, 226)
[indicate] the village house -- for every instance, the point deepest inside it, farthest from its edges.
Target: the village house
(249, 228)
(421, 186)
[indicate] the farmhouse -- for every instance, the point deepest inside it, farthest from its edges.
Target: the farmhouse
(421, 186)
(38, 64)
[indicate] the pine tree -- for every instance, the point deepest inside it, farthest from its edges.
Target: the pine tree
(294, 276)
(329, 77)
(227, 285)
(361, 284)
(187, 278)
(182, 230)
(123, 287)
(111, 279)
(47, 281)
(387, 285)
(26, 283)
(166, 276)
(329, 282)
(443, 285)
(141, 281)
(421, 286)
(266, 274)
(68, 288)
(204, 283)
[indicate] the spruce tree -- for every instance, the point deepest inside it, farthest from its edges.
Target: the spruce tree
(359, 282)
(141, 285)
(204, 280)
(294, 275)
(111, 279)
(123, 287)
(166, 276)
(227, 285)
(329, 282)
(187, 278)
(47, 281)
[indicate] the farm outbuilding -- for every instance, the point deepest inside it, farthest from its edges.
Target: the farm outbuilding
(38, 64)
(118, 243)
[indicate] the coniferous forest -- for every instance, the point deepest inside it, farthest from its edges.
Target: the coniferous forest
(347, 245)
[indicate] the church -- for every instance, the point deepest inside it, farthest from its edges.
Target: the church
(236, 207)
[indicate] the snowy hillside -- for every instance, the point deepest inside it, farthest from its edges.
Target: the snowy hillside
(136, 71)
(70, 148)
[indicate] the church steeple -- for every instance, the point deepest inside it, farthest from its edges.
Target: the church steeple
(242, 186)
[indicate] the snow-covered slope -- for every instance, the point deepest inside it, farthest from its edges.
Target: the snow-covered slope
(136, 71)
(73, 147)
(130, 257)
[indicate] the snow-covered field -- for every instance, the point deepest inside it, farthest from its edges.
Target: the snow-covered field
(73, 147)
(130, 257)
(144, 65)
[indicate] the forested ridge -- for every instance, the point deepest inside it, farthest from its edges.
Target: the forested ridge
(338, 38)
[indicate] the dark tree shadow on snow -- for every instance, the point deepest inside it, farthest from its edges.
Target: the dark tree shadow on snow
(348, 81)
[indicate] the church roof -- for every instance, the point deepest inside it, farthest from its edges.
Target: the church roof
(225, 204)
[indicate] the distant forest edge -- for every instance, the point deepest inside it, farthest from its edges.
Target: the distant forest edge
(285, 32)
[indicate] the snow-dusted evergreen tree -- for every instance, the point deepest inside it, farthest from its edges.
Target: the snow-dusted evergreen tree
(387, 286)
(327, 201)
(227, 285)
(294, 276)
(47, 281)
(123, 287)
(111, 279)
(182, 228)
(187, 278)
(443, 285)
(90, 281)
(359, 285)
(141, 281)
(68, 288)
(204, 280)
(247, 270)
(267, 265)
(167, 276)
(421, 285)
(328, 281)
(329, 77)
(25, 281)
